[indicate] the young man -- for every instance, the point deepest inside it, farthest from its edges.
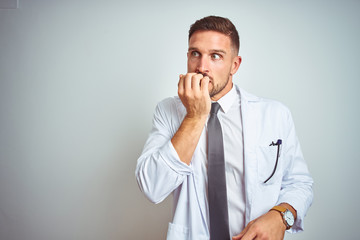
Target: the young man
(237, 172)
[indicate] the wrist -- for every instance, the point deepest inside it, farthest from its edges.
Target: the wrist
(196, 118)
(279, 218)
(286, 215)
(290, 208)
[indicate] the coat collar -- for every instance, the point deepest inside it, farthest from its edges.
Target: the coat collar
(247, 97)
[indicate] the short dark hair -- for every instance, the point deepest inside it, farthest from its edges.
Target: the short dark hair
(218, 24)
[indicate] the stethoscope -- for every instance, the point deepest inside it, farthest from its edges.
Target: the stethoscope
(278, 144)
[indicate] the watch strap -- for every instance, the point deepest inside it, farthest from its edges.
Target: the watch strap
(282, 210)
(279, 209)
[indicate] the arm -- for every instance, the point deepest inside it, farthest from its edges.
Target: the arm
(194, 94)
(164, 162)
(296, 187)
(295, 194)
(268, 226)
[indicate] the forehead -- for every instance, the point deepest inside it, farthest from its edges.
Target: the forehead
(209, 40)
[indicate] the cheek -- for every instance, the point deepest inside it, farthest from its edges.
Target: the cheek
(219, 70)
(223, 69)
(190, 66)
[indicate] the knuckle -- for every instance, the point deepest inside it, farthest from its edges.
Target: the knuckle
(188, 94)
(197, 97)
(197, 77)
(265, 236)
(189, 75)
(254, 227)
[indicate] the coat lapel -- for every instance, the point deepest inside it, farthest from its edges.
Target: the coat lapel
(250, 121)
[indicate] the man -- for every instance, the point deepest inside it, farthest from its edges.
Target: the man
(235, 173)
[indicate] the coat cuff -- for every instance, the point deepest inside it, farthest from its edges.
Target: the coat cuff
(301, 206)
(172, 159)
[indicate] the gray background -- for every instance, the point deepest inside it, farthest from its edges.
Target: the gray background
(79, 81)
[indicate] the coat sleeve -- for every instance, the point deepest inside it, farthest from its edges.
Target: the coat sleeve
(296, 188)
(159, 170)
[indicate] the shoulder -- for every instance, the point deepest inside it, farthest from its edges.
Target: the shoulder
(170, 104)
(265, 104)
(169, 113)
(170, 107)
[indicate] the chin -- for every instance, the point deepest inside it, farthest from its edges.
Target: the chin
(211, 93)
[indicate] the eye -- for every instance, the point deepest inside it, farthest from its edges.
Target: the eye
(215, 56)
(195, 54)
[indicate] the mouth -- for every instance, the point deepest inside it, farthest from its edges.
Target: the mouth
(210, 78)
(205, 75)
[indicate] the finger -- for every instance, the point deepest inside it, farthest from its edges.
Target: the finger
(239, 236)
(187, 81)
(181, 76)
(242, 233)
(195, 82)
(250, 234)
(181, 80)
(204, 85)
(181, 84)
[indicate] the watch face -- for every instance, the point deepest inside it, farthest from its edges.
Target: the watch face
(289, 218)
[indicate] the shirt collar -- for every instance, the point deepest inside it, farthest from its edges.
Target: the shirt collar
(228, 99)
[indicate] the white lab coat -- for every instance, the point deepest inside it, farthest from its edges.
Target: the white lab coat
(160, 172)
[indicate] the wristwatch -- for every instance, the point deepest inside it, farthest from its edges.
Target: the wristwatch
(288, 217)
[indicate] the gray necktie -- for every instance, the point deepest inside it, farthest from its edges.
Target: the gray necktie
(218, 208)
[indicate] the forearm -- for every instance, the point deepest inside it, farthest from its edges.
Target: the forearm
(187, 137)
(299, 196)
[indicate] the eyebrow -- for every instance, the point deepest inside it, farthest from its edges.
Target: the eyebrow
(211, 50)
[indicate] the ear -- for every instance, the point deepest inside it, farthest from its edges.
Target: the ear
(235, 64)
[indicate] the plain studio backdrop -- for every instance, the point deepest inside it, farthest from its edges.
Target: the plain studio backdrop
(79, 81)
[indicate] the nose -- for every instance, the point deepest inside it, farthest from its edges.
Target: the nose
(203, 65)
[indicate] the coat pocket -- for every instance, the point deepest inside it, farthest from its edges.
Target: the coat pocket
(177, 232)
(269, 164)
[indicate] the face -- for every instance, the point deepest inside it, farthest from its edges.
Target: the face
(211, 54)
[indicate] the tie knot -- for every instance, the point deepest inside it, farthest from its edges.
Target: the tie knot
(215, 108)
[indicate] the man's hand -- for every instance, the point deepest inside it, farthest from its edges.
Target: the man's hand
(269, 226)
(194, 94)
